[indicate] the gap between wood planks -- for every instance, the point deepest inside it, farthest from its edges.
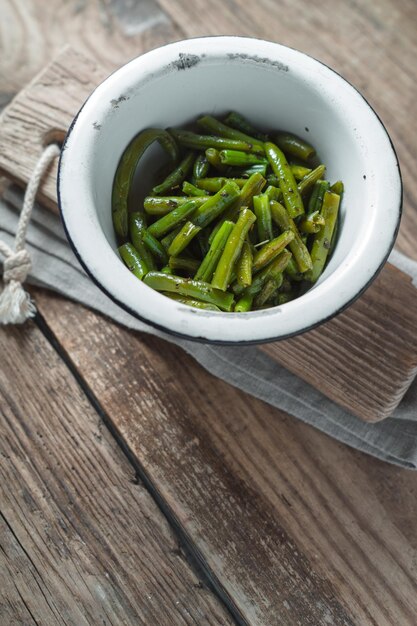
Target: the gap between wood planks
(193, 556)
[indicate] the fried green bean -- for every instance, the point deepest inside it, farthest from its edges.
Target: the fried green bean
(181, 240)
(232, 249)
(202, 142)
(270, 250)
(191, 190)
(244, 265)
(295, 146)
(175, 178)
(322, 241)
(237, 158)
(166, 223)
(133, 260)
(126, 169)
(191, 288)
(237, 121)
(161, 205)
(209, 263)
(244, 304)
(312, 223)
(305, 185)
(297, 247)
(292, 198)
(209, 123)
(196, 304)
(201, 166)
(137, 224)
(263, 216)
(316, 198)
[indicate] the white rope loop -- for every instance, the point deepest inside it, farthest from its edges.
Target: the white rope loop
(16, 305)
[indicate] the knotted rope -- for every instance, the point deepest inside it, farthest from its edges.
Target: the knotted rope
(16, 305)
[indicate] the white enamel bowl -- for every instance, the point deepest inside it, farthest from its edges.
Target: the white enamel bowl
(275, 87)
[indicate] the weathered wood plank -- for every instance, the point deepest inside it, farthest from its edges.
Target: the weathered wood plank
(379, 385)
(296, 526)
(82, 541)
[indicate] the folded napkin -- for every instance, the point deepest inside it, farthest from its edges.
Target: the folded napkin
(55, 267)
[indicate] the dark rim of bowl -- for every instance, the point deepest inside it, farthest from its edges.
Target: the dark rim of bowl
(246, 341)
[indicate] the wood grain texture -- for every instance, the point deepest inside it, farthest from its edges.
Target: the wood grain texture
(51, 100)
(369, 43)
(296, 527)
(81, 540)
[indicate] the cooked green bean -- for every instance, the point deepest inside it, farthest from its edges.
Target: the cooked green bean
(273, 270)
(184, 263)
(168, 239)
(207, 122)
(297, 247)
(232, 249)
(268, 290)
(245, 172)
(181, 240)
(213, 157)
(244, 304)
(292, 198)
(273, 193)
(305, 185)
(299, 171)
(191, 190)
(155, 247)
(201, 166)
(133, 260)
(192, 288)
(316, 198)
(196, 304)
(263, 216)
(213, 185)
(237, 121)
(166, 270)
(202, 142)
(338, 187)
(271, 249)
(237, 158)
(293, 272)
(244, 265)
(137, 224)
(126, 169)
(312, 223)
(209, 263)
(172, 219)
(322, 241)
(293, 145)
(165, 204)
(175, 178)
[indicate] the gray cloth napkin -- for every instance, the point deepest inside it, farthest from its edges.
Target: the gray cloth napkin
(55, 267)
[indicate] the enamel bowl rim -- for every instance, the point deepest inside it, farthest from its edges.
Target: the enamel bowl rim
(181, 320)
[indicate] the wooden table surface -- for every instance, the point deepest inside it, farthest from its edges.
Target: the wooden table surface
(135, 488)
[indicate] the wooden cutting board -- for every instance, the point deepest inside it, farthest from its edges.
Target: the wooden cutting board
(365, 359)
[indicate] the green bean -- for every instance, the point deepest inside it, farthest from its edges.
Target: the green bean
(244, 304)
(299, 171)
(245, 172)
(155, 247)
(283, 298)
(137, 224)
(213, 185)
(133, 260)
(312, 223)
(273, 270)
(237, 121)
(175, 178)
(286, 285)
(322, 241)
(209, 263)
(334, 235)
(184, 263)
(292, 198)
(202, 142)
(209, 123)
(192, 288)
(192, 190)
(273, 193)
(126, 169)
(270, 287)
(338, 187)
(193, 302)
(201, 166)
(181, 240)
(244, 265)
(291, 144)
(238, 158)
(271, 249)
(232, 249)
(172, 219)
(316, 198)
(165, 204)
(263, 216)
(166, 270)
(168, 239)
(293, 272)
(297, 247)
(213, 157)
(305, 185)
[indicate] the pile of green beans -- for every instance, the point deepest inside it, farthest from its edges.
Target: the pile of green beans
(244, 220)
